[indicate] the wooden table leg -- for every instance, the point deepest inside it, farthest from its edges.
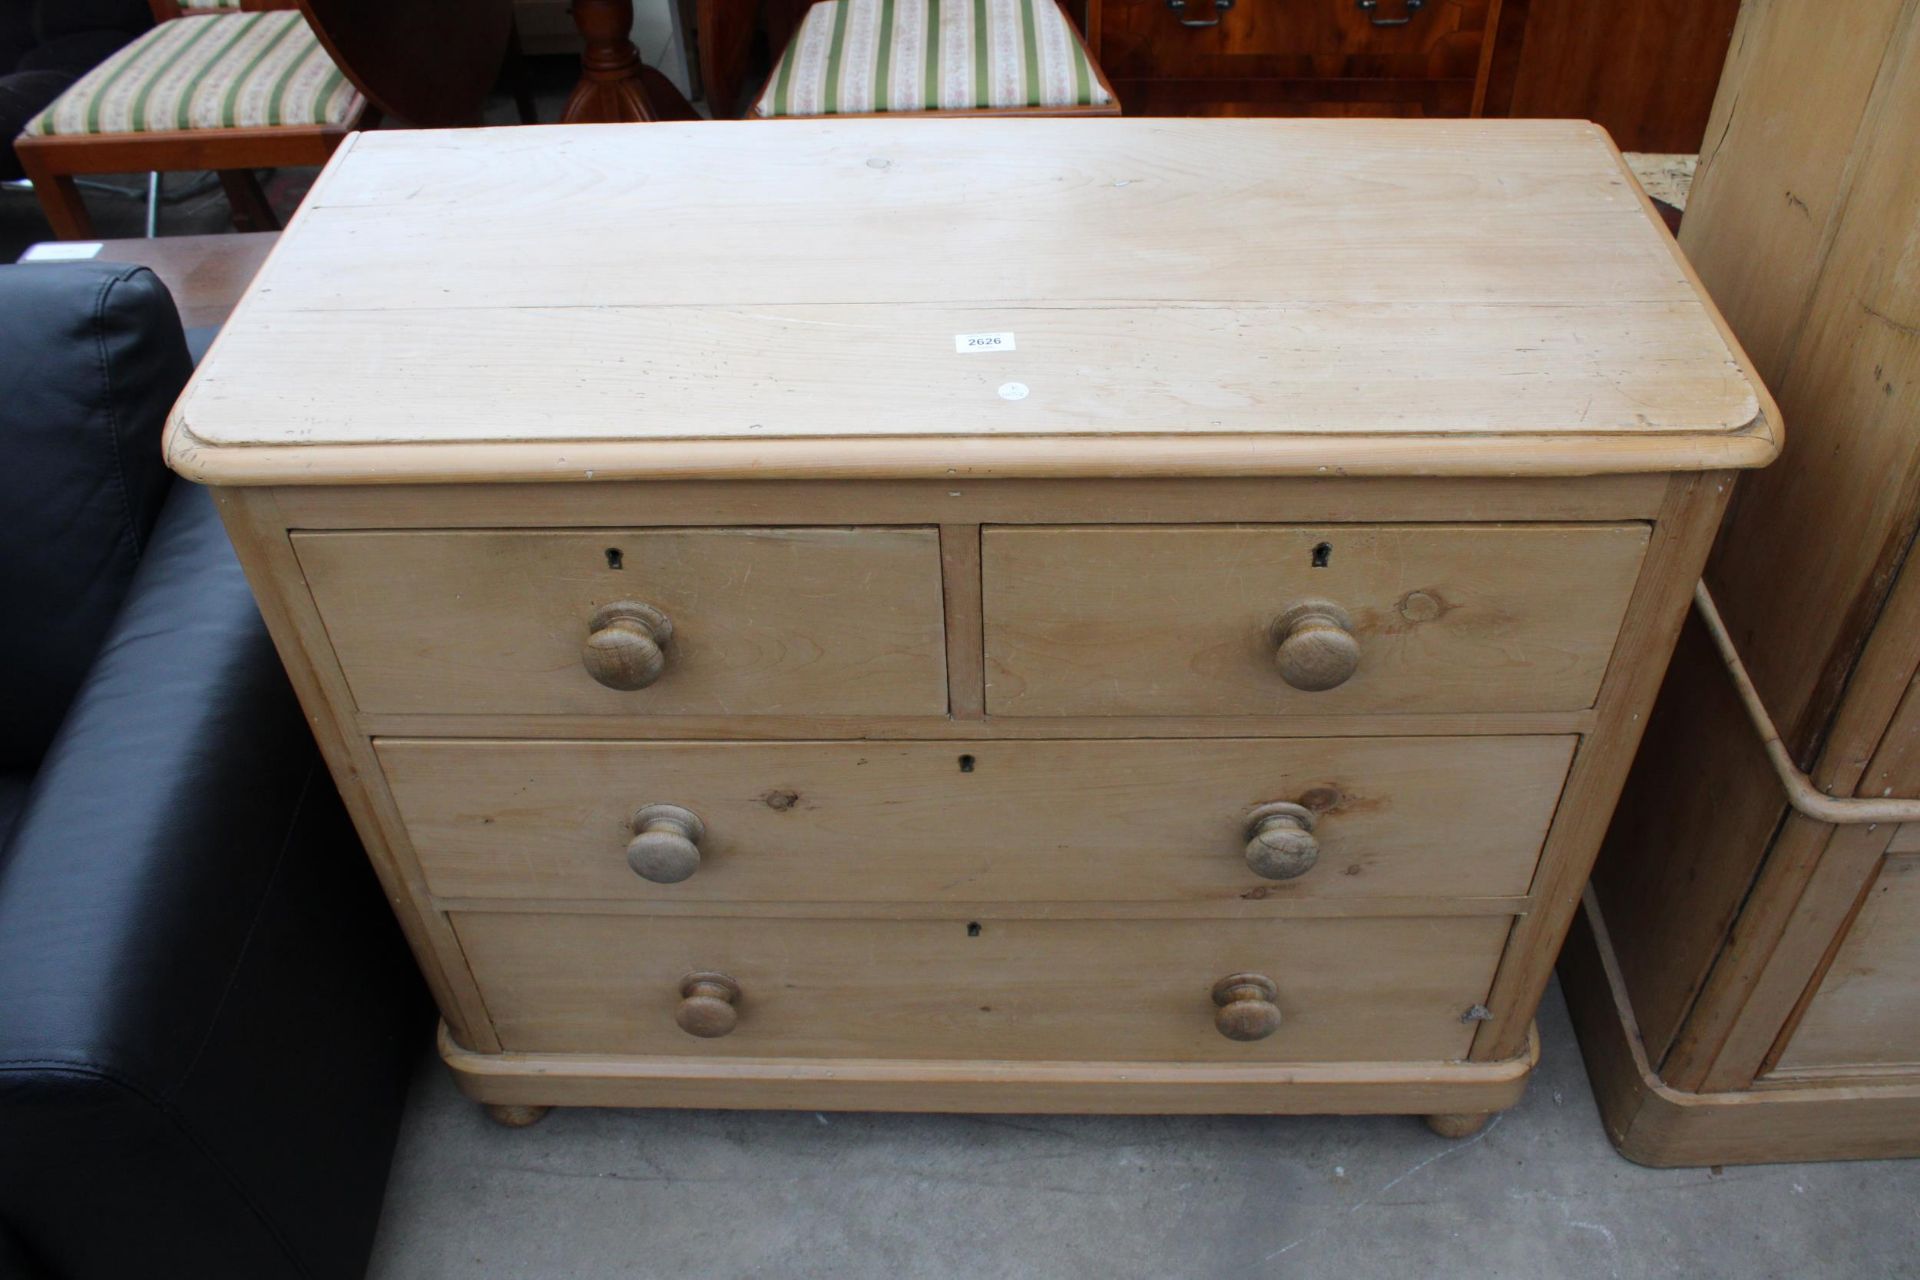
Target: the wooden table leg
(615, 86)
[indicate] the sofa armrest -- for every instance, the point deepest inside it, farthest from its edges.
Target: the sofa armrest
(210, 1017)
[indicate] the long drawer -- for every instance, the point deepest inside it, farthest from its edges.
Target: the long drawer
(747, 621)
(1275, 619)
(982, 988)
(978, 821)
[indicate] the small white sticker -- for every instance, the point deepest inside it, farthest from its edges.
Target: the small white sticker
(965, 342)
(63, 251)
(1013, 391)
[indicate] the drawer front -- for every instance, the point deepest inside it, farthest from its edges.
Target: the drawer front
(982, 988)
(763, 621)
(1234, 620)
(1332, 41)
(1064, 822)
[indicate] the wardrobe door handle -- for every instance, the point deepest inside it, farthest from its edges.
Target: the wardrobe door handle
(1219, 7)
(1372, 7)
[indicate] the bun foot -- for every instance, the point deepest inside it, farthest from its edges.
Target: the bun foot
(1458, 1124)
(514, 1117)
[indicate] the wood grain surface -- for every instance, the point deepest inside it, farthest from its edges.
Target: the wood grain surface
(766, 621)
(984, 988)
(1176, 620)
(980, 821)
(1866, 1011)
(1454, 282)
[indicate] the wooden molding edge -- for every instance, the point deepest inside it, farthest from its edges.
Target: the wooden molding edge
(1087, 1088)
(1653, 1124)
(1076, 456)
(1766, 421)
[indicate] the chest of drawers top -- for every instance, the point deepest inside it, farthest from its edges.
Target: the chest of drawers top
(978, 298)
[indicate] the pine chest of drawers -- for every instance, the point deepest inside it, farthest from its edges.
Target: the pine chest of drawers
(979, 615)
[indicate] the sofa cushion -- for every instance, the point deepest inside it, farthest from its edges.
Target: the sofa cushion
(220, 71)
(91, 359)
(855, 57)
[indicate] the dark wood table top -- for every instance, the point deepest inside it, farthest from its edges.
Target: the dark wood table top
(205, 274)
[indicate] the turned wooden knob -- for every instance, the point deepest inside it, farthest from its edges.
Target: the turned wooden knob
(666, 843)
(1280, 843)
(626, 647)
(1245, 1008)
(707, 1005)
(1314, 646)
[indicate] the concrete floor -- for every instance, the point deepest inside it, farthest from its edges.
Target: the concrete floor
(587, 1194)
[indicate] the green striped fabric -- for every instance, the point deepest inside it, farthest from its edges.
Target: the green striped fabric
(858, 57)
(218, 71)
(200, 6)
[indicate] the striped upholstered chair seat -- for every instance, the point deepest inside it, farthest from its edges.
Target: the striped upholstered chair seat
(215, 71)
(857, 57)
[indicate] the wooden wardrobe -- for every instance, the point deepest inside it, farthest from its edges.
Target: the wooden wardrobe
(1746, 977)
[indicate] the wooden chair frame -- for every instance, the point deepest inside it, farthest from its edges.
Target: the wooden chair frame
(52, 163)
(370, 30)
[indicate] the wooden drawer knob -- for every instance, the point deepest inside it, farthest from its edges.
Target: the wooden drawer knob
(666, 843)
(707, 1005)
(1280, 843)
(1244, 1006)
(1314, 646)
(626, 645)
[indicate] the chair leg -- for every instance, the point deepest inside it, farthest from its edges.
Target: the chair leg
(251, 212)
(59, 196)
(686, 28)
(153, 204)
(513, 73)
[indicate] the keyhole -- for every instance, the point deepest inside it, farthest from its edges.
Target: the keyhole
(973, 928)
(966, 764)
(1321, 554)
(614, 559)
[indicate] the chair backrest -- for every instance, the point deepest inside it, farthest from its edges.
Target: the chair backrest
(427, 62)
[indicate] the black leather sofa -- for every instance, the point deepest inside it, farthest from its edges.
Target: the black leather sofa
(207, 1016)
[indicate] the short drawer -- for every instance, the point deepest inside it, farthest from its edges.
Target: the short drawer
(984, 987)
(1310, 40)
(1221, 620)
(756, 621)
(1006, 821)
